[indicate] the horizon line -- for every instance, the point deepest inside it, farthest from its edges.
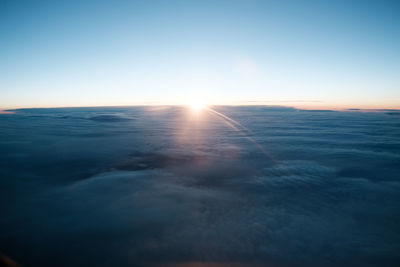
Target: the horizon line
(309, 108)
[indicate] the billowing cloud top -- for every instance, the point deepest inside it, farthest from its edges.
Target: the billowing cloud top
(258, 186)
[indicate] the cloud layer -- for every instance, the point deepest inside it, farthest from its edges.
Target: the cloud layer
(156, 186)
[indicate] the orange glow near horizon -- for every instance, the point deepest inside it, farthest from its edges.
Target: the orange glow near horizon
(198, 105)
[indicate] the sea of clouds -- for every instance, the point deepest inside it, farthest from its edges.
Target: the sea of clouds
(144, 186)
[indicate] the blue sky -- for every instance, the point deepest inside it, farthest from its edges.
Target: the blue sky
(86, 53)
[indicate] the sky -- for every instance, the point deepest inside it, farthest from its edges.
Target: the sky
(343, 54)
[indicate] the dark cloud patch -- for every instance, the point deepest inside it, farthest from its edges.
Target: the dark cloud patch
(162, 188)
(317, 110)
(142, 161)
(108, 118)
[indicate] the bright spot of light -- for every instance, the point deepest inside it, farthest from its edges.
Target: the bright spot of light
(197, 106)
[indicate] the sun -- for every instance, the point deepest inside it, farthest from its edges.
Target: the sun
(197, 106)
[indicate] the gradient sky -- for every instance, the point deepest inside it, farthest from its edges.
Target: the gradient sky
(85, 53)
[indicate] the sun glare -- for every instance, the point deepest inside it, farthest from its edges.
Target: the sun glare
(197, 106)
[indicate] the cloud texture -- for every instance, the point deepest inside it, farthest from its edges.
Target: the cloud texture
(153, 186)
